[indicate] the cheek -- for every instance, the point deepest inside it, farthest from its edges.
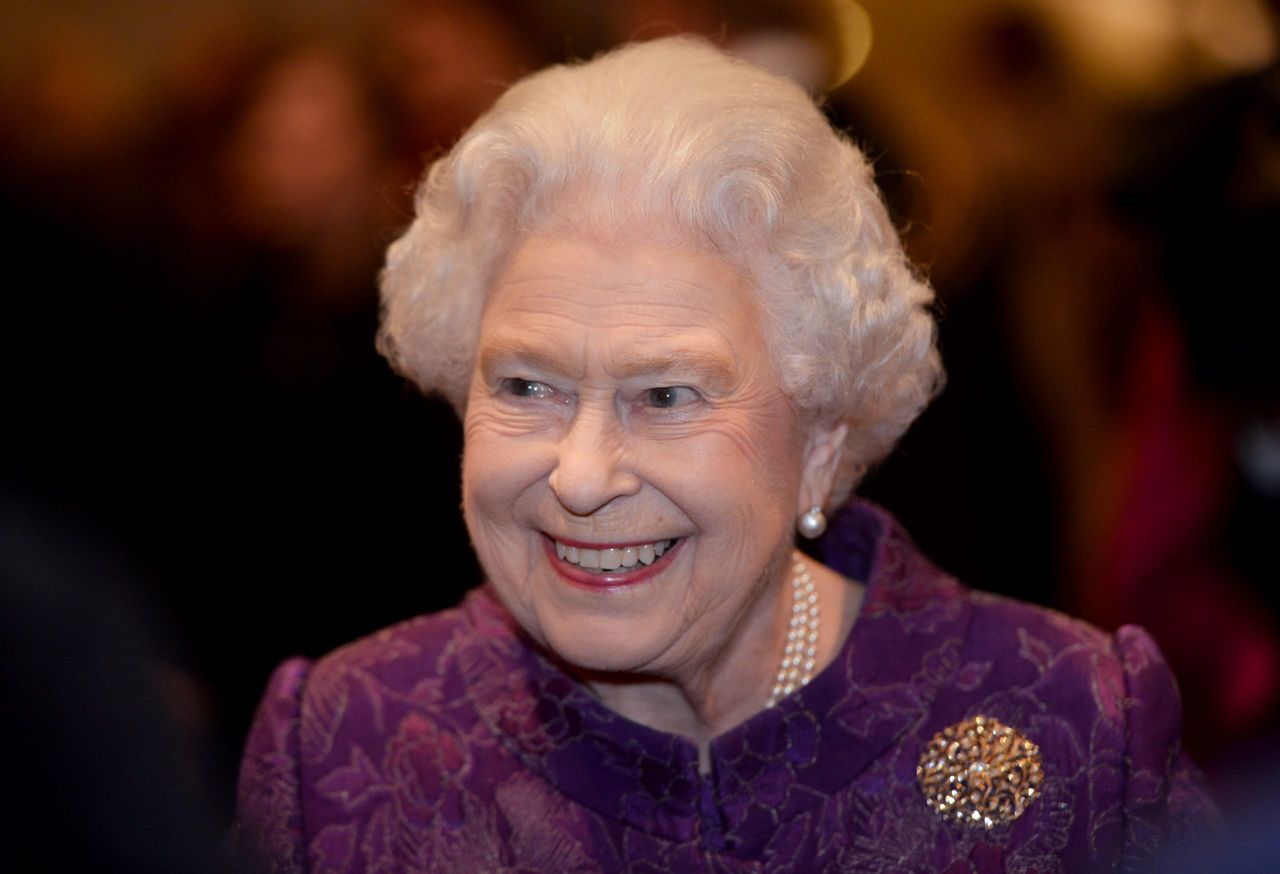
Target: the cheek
(498, 468)
(490, 502)
(757, 453)
(736, 478)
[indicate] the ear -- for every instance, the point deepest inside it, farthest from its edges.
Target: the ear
(821, 460)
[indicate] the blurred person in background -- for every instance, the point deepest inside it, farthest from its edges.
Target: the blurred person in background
(105, 749)
(440, 63)
(283, 406)
(1190, 550)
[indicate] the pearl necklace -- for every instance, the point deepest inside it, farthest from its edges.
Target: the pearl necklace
(800, 656)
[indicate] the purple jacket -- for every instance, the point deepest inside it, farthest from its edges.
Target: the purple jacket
(449, 743)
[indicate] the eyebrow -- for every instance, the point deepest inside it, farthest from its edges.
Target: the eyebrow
(506, 350)
(718, 370)
(711, 367)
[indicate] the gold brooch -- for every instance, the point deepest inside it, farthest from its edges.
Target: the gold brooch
(980, 772)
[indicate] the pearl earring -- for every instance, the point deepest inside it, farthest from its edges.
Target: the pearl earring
(812, 523)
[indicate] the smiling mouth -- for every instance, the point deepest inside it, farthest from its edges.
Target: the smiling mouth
(613, 558)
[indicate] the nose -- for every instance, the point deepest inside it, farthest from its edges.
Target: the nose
(592, 467)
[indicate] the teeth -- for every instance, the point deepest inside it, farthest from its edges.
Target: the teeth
(612, 558)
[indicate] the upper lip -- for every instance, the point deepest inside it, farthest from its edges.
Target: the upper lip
(620, 544)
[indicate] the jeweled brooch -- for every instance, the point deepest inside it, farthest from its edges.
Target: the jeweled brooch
(980, 772)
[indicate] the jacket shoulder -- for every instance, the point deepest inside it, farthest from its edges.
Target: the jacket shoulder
(422, 661)
(1025, 627)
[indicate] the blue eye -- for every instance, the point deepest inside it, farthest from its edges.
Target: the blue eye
(527, 388)
(669, 396)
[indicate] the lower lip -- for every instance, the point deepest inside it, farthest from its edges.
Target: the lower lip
(612, 579)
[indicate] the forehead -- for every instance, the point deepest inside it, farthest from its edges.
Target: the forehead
(648, 288)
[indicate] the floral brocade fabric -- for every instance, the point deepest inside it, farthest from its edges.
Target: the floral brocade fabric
(449, 743)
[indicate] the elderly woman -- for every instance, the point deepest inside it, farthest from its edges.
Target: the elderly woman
(666, 301)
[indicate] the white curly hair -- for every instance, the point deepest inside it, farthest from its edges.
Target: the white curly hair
(676, 134)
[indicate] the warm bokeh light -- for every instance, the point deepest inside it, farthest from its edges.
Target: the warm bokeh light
(854, 27)
(1144, 49)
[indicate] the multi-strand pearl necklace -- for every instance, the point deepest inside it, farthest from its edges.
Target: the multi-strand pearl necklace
(800, 656)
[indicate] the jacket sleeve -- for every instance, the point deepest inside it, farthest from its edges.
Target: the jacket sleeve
(1166, 801)
(268, 825)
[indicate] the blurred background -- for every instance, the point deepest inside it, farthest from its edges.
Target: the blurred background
(206, 468)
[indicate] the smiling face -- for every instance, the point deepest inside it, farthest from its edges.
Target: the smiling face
(632, 470)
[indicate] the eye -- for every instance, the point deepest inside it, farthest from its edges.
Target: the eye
(667, 397)
(527, 388)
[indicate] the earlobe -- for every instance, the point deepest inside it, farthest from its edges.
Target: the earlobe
(821, 461)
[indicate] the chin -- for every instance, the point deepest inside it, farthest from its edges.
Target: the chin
(599, 650)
